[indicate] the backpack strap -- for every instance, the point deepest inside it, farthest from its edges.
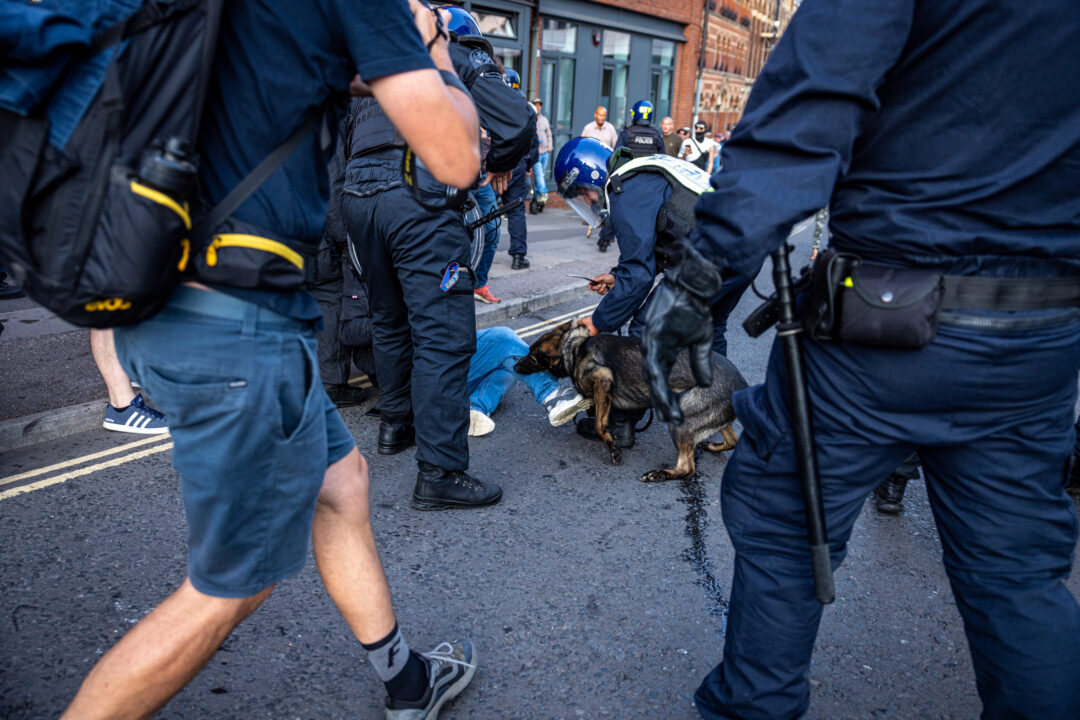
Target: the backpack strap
(256, 177)
(150, 14)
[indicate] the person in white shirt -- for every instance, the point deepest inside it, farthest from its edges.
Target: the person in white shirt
(601, 129)
(699, 149)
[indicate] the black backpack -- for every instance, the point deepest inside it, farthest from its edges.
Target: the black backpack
(101, 231)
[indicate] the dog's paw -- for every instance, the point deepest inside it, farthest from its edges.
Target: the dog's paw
(655, 476)
(616, 456)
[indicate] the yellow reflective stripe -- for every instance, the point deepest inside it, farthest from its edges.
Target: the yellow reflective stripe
(163, 199)
(185, 245)
(255, 243)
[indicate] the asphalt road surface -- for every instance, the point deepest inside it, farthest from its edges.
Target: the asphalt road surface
(587, 593)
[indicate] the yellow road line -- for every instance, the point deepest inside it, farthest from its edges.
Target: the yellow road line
(81, 460)
(83, 471)
(362, 381)
(555, 320)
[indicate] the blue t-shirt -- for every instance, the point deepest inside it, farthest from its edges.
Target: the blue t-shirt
(276, 65)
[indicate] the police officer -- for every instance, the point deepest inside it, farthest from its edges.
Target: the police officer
(518, 188)
(640, 136)
(649, 202)
(958, 193)
(419, 283)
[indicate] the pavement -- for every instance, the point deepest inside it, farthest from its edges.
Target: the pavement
(52, 388)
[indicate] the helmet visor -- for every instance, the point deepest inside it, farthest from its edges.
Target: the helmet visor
(590, 210)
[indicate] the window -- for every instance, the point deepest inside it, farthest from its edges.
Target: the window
(663, 52)
(497, 24)
(616, 45)
(663, 63)
(558, 36)
(510, 59)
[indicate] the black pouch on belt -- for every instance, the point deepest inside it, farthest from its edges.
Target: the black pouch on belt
(883, 306)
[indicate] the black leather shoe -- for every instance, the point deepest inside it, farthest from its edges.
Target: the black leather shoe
(520, 262)
(10, 292)
(602, 246)
(889, 495)
(395, 437)
(439, 489)
(346, 395)
(621, 429)
(534, 207)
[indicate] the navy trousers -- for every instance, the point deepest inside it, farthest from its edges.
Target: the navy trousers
(991, 415)
(515, 219)
(423, 337)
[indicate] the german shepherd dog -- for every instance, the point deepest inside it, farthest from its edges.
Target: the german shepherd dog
(609, 369)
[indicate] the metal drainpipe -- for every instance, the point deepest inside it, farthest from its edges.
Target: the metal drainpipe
(701, 62)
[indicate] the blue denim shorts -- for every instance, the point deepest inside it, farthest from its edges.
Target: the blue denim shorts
(252, 427)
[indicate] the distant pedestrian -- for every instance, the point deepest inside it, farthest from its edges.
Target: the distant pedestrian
(699, 149)
(672, 141)
(601, 129)
(543, 136)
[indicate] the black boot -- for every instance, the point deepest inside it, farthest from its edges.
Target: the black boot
(520, 262)
(889, 495)
(344, 395)
(395, 437)
(620, 427)
(439, 489)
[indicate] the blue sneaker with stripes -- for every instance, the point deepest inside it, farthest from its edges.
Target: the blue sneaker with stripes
(136, 418)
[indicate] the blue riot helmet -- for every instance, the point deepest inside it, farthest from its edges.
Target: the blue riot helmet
(642, 113)
(512, 78)
(462, 23)
(465, 30)
(581, 173)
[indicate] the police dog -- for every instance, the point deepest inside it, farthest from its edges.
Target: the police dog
(609, 369)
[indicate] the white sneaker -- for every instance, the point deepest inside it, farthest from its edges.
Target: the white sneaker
(479, 424)
(564, 404)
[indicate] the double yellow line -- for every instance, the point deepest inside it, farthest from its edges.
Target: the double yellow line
(163, 444)
(160, 443)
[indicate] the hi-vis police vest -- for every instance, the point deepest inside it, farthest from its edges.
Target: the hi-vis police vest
(676, 218)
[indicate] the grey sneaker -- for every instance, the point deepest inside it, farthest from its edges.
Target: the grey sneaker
(450, 668)
(564, 404)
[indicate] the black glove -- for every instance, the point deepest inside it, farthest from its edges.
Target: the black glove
(679, 317)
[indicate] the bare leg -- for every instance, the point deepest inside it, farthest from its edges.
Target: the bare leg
(116, 380)
(345, 550)
(160, 655)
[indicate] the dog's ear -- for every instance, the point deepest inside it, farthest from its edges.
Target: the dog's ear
(565, 327)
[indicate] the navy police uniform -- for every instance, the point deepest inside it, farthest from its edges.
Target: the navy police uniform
(944, 136)
(518, 188)
(423, 335)
(641, 140)
(643, 255)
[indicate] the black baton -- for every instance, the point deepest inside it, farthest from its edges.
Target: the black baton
(500, 210)
(788, 330)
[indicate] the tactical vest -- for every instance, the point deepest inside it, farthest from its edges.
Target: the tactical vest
(642, 140)
(675, 219)
(370, 130)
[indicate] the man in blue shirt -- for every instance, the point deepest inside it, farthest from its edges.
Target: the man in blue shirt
(944, 137)
(266, 462)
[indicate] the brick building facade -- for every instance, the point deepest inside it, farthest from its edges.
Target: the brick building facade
(577, 54)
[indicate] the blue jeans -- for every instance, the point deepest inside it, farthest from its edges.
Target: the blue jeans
(994, 453)
(539, 171)
(485, 198)
(491, 371)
